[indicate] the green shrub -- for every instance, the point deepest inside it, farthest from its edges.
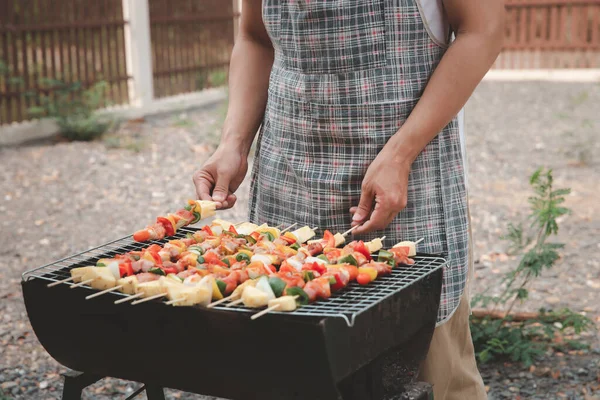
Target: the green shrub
(73, 108)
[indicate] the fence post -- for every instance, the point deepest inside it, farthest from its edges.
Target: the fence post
(138, 52)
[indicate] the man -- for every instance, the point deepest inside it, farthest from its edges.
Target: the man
(357, 104)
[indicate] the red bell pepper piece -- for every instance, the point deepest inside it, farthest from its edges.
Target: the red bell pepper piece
(314, 267)
(213, 259)
(362, 249)
(169, 230)
(288, 239)
(157, 259)
(170, 270)
(207, 229)
(329, 239)
(125, 269)
(232, 229)
(154, 248)
(338, 282)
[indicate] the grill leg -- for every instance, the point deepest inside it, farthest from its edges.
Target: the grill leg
(75, 382)
(154, 392)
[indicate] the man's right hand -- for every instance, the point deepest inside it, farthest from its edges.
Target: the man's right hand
(221, 176)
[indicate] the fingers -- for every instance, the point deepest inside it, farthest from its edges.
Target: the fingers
(380, 219)
(364, 207)
(204, 183)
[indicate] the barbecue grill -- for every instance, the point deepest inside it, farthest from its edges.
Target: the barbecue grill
(362, 343)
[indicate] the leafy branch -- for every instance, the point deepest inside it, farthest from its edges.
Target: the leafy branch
(523, 340)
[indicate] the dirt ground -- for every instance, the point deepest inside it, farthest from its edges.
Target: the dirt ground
(61, 198)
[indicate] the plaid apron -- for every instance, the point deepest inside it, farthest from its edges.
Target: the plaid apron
(346, 75)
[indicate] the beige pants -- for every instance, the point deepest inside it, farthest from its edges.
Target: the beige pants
(450, 365)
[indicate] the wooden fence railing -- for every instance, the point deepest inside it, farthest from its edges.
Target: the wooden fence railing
(191, 44)
(551, 34)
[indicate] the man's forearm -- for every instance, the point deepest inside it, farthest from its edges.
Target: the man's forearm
(456, 77)
(249, 72)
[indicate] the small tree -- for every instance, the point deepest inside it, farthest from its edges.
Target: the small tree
(524, 340)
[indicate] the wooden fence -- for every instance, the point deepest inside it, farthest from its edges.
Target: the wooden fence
(85, 41)
(191, 44)
(66, 40)
(551, 34)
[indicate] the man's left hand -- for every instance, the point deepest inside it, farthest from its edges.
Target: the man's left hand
(384, 193)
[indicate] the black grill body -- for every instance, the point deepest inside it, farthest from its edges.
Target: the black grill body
(226, 354)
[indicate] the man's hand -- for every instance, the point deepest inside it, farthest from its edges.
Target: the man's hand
(384, 193)
(221, 176)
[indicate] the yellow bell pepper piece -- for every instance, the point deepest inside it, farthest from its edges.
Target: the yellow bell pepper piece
(372, 272)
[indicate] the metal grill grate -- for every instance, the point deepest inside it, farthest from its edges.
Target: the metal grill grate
(347, 304)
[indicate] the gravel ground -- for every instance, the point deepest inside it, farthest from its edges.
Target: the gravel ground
(60, 198)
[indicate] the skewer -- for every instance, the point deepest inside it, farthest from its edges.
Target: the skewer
(216, 303)
(81, 283)
(289, 227)
(156, 296)
(267, 310)
(133, 296)
(349, 230)
(59, 282)
(315, 228)
(382, 238)
(91, 296)
(235, 302)
(419, 241)
(174, 301)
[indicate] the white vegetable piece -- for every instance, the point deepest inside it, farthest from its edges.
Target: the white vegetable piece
(114, 269)
(316, 259)
(263, 285)
(412, 247)
(294, 262)
(254, 298)
(284, 303)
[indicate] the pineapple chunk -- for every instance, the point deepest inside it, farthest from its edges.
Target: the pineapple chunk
(254, 298)
(102, 278)
(303, 234)
(237, 293)
(246, 228)
(129, 284)
(151, 288)
(339, 239)
(284, 303)
(222, 223)
(412, 247)
(189, 295)
(77, 273)
(374, 245)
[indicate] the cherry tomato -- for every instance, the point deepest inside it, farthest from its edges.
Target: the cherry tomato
(363, 279)
(141, 236)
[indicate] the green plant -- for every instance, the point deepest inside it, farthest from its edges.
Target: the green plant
(522, 341)
(73, 108)
(218, 78)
